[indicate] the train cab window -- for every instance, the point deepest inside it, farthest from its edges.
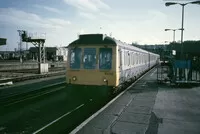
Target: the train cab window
(75, 58)
(105, 58)
(89, 58)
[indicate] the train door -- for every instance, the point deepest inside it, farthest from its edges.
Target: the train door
(149, 60)
(120, 60)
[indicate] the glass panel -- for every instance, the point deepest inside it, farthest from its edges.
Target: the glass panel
(89, 58)
(75, 61)
(105, 58)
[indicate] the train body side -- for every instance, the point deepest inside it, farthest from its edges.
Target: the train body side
(132, 62)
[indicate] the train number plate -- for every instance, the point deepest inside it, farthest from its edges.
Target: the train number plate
(108, 73)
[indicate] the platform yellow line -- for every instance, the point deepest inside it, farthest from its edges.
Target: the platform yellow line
(58, 119)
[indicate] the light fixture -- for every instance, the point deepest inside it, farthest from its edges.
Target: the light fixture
(74, 78)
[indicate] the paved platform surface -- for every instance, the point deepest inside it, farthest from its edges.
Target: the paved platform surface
(149, 108)
(179, 110)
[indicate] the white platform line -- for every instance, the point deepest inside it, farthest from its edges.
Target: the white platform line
(144, 84)
(78, 128)
(153, 72)
(58, 119)
(34, 96)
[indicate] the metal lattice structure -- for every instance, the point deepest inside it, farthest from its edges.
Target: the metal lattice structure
(162, 73)
(38, 43)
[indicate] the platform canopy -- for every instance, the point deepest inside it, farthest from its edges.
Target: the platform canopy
(3, 41)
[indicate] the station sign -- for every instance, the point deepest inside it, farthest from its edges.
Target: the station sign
(2, 41)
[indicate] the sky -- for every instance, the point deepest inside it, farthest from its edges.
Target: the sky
(61, 21)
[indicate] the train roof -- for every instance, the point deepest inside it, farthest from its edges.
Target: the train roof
(93, 39)
(98, 39)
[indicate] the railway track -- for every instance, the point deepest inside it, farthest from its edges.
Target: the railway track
(33, 70)
(11, 99)
(23, 77)
(81, 114)
(73, 113)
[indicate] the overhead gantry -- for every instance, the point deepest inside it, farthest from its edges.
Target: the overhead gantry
(38, 43)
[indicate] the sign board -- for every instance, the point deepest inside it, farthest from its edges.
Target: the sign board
(2, 41)
(173, 52)
(182, 64)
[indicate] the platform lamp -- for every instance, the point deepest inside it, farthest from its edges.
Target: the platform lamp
(174, 33)
(183, 5)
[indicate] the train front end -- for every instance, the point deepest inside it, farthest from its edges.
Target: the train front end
(91, 67)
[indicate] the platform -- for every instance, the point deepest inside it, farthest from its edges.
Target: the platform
(148, 107)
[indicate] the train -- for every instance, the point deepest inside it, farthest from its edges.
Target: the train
(99, 65)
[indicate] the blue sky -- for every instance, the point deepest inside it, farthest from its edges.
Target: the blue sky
(60, 21)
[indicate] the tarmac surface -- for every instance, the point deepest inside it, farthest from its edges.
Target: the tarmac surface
(148, 108)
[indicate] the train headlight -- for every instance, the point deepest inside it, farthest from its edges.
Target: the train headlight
(74, 78)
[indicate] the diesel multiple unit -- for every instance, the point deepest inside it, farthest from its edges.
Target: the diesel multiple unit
(100, 64)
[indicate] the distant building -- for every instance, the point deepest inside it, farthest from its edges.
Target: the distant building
(8, 55)
(61, 54)
(52, 53)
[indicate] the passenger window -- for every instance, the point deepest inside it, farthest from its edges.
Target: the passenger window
(89, 58)
(105, 58)
(75, 58)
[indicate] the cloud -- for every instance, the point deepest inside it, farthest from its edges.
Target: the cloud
(55, 28)
(60, 22)
(88, 9)
(54, 10)
(88, 5)
(87, 15)
(101, 4)
(21, 18)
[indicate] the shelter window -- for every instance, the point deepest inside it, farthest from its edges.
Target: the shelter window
(89, 58)
(75, 58)
(105, 58)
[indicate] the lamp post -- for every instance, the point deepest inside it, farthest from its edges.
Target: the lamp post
(183, 6)
(20, 45)
(174, 30)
